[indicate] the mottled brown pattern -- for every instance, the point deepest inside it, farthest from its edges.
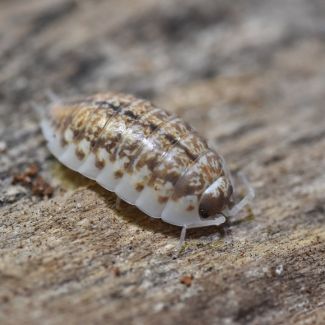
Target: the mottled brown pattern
(62, 114)
(87, 117)
(203, 172)
(217, 199)
(80, 120)
(113, 136)
(160, 143)
(138, 133)
(177, 159)
(61, 118)
(100, 164)
(139, 187)
(80, 154)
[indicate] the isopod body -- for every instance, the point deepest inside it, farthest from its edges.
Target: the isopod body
(146, 155)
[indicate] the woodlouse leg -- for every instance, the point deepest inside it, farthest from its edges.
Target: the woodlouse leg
(52, 97)
(118, 203)
(216, 222)
(227, 172)
(181, 241)
(250, 194)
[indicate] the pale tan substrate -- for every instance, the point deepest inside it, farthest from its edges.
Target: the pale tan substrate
(250, 77)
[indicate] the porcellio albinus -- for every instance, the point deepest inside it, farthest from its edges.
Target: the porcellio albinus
(147, 156)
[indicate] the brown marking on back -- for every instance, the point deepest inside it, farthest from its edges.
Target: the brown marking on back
(198, 175)
(100, 164)
(131, 114)
(143, 129)
(80, 154)
(181, 154)
(152, 126)
(190, 208)
(139, 187)
(163, 199)
(118, 174)
(63, 142)
(171, 138)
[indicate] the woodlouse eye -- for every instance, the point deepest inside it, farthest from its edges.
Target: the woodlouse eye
(203, 213)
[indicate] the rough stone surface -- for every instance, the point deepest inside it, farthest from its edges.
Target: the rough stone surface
(249, 75)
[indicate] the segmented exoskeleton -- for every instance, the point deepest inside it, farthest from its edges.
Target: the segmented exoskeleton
(147, 156)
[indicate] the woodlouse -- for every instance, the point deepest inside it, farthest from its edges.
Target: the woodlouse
(147, 156)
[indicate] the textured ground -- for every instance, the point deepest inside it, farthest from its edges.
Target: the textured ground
(249, 75)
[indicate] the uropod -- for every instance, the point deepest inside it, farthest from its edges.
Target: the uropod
(149, 157)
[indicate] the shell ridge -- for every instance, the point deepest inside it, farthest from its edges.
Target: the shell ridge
(157, 129)
(121, 142)
(152, 194)
(127, 188)
(81, 114)
(189, 167)
(112, 173)
(88, 167)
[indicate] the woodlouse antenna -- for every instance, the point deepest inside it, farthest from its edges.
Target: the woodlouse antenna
(41, 112)
(215, 222)
(250, 194)
(181, 241)
(52, 97)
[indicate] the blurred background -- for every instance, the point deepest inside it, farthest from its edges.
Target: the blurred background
(249, 76)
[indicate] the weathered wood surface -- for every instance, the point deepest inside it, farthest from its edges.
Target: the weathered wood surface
(250, 76)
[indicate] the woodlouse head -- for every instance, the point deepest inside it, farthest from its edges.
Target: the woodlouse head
(216, 198)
